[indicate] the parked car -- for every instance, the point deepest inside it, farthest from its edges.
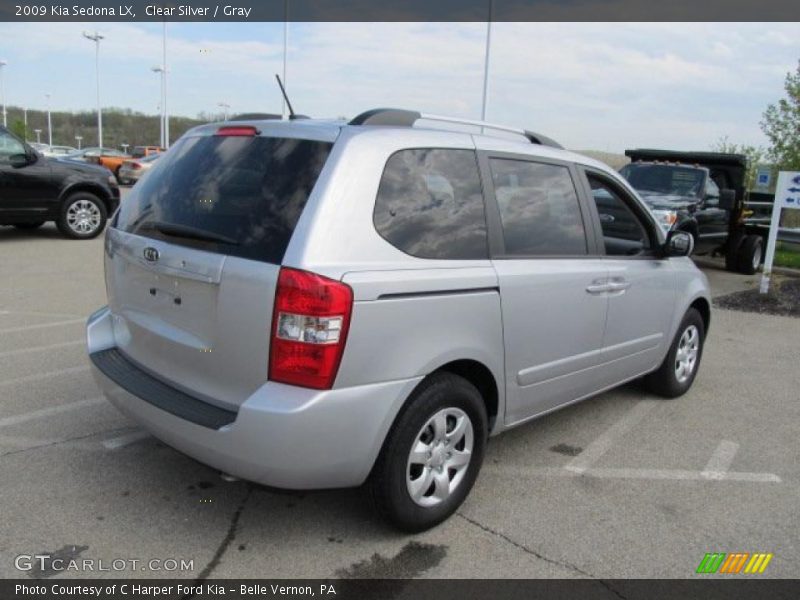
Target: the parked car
(143, 151)
(35, 189)
(53, 151)
(702, 193)
(132, 169)
(320, 304)
(111, 161)
(90, 153)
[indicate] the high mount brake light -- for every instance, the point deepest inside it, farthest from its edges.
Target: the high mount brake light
(237, 131)
(309, 329)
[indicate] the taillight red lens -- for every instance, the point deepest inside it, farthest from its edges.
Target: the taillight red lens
(135, 166)
(309, 329)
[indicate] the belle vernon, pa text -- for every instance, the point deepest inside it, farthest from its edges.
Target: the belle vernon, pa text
(208, 589)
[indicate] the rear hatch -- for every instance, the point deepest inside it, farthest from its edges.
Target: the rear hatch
(192, 259)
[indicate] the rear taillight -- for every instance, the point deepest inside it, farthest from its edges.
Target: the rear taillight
(309, 329)
(135, 166)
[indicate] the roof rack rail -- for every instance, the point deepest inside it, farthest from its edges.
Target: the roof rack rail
(406, 118)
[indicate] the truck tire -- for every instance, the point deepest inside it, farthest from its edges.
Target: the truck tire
(732, 252)
(750, 253)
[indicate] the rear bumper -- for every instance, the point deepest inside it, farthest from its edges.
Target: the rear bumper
(282, 436)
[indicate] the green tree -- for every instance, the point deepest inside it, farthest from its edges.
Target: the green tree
(781, 125)
(756, 155)
(18, 129)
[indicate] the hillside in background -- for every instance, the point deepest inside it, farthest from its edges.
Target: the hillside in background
(615, 161)
(120, 126)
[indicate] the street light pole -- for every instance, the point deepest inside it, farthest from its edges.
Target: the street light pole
(96, 37)
(224, 106)
(164, 103)
(162, 73)
(285, 50)
(78, 139)
(486, 64)
(25, 121)
(38, 133)
(3, 63)
(49, 122)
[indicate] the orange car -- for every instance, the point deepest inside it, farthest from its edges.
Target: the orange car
(111, 160)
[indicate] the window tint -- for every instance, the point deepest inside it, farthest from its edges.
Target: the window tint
(539, 209)
(240, 196)
(712, 192)
(623, 232)
(9, 146)
(430, 204)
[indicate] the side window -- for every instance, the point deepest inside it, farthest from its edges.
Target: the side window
(539, 209)
(712, 192)
(9, 146)
(430, 204)
(623, 233)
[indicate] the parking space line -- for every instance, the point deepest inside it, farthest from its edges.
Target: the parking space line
(721, 460)
(50, 411)
(39, 348)
(125, 440)
(602, 444)
(42, 325)
(35, 313)
(652, 474)
(681, 474)
(39, 376)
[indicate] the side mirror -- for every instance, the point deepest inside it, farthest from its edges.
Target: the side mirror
(679, 243)
(19, 160)
(727, 199)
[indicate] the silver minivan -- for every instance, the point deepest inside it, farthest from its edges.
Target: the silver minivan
(320, 304)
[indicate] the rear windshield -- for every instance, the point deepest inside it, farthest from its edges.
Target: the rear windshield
(664, 179)
(239, 196)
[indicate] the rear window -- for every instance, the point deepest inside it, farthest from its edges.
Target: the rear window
(239, 196)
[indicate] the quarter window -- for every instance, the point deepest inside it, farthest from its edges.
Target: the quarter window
(430, 204)
(9, 146)
(539, 209)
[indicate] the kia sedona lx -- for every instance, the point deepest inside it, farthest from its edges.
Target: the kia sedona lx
(315, 304)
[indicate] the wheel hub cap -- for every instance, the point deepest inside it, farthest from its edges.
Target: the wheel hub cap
(83, 217)
(439, 457)
(686, 356)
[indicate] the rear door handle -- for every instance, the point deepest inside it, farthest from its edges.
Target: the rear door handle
(618, 286)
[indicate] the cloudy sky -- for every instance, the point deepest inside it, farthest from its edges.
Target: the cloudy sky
(588, 85)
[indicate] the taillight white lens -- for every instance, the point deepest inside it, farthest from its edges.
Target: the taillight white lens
(312, 330)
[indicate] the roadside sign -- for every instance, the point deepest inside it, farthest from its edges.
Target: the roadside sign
(787, 195)
(763, 178)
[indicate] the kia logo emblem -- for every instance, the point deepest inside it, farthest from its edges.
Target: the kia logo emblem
(150, 254)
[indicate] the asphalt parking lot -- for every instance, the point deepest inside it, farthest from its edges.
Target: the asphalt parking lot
(623, 485)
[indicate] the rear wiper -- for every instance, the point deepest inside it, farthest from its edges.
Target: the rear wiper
(185, 231)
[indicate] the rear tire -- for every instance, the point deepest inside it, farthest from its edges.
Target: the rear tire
(431, 456)
(676, 374)
(29, 226)
(750, 254)
(83, 216)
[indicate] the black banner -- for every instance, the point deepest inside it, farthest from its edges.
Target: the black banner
(395, 10)
(386, 589)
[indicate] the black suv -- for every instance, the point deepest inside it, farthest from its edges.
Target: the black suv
(34, 189)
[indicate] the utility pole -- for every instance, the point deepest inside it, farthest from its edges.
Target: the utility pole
(162, 72)
(96, 37)
(3, 63)
(486, 64)
(164, 104)
(285, 50)
(49, 122)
